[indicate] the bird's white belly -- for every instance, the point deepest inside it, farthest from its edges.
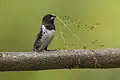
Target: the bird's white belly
(47, 38)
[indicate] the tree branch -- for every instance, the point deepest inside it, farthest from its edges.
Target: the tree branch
(60, 59)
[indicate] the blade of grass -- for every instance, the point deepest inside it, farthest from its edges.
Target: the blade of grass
(62, 35)
(68, 28)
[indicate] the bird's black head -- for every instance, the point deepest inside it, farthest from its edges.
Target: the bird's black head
(48, 19)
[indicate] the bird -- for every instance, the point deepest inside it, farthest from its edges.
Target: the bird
(46, 34)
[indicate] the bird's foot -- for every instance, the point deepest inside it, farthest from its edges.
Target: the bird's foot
(51, 50)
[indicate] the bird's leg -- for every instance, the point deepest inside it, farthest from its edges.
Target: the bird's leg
(48, 49)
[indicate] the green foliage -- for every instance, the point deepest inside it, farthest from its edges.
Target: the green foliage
(74, 74)
(89, 20)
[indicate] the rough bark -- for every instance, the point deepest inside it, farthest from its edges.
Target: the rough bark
(59, 59)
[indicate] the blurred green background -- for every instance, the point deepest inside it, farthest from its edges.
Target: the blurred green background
(20, 22)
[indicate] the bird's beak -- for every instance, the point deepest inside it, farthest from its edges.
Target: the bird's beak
(53, 17)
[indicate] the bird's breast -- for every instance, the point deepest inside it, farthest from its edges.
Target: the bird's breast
(49, 34)
(47, 37)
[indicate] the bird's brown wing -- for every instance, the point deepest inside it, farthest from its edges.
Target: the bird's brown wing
(37, 42)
